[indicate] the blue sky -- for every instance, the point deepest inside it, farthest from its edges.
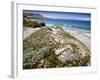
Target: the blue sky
(62, 15)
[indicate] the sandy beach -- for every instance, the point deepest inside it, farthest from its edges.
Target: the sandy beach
(81, 35)
(27, 31)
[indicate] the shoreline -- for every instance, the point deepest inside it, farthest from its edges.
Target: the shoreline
(71, 28)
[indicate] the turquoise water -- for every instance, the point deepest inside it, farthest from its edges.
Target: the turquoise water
(85, 25)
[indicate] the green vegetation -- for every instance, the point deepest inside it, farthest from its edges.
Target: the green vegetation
(39, 49)
(32, 23)
(29, 23)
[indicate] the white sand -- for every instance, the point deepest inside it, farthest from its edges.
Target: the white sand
(27, 31)
(81, 35)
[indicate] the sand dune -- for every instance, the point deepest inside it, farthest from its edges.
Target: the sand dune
(56, 46)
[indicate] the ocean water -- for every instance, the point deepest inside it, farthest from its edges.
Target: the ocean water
(85, 25)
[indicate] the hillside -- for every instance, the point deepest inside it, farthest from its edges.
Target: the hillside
(33, 15)
(51, 47)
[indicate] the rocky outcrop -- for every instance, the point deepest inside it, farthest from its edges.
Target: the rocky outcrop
(38, 25)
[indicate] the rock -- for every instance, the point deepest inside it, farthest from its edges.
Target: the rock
(38, 25)
(42, 24)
